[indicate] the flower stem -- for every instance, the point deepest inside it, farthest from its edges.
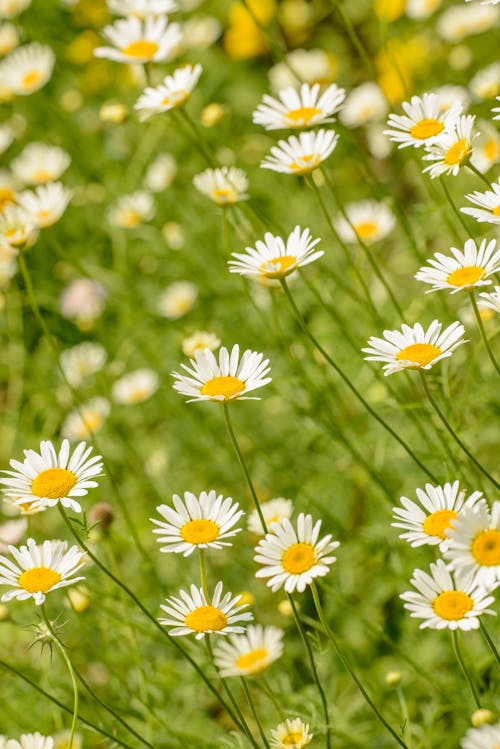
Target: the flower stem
(254, 711)
(203, 573)
(461, 663)
(453, 206)
(480, 325)
(479, 174)
(490, 642)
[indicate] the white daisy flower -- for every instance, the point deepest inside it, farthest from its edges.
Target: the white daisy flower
(429, 521)
(31, 741)
(488, 202)
(309, 65)
(273, 511)
(293, 558)
(11, 532)
(298, 109)
(224, 186)
(135, 41)
(8, 192)
(451, 150)
(131, 210)
(199, 340)
(39, 163)
(465, 271)
(486, 83)
(9, 38)
(83, 300)
(46, 204)
(496, 110)
(485, 737)
(81, 361)
(193, 613)
(84, 422)
(446, 601)
(172, 93)
(423, 122)
(303, 154)
(6, 137)
(459, 21)
(197, 522)
(421, 8)
(135, 387)
(225, 380)
(365, 103)
(27, 68)
(249, 654)
(275, 257)
(142, 8)
(200, 31)
(12, 8)
(292, 734)
(450, 94)
(474, 543)
(490, 301)
(37, 570)
(17, 227)
(413, 347)
(486, 151)
(47, 478)
(177, 299)
(368, 220)
(161, 173)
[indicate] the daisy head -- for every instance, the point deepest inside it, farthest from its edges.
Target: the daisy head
(31, 741)
(490, 301)
(200, 339)
(273, 511)
(303, 154)
(365, 103)
(202, 522)
(368, 221)
(142, 8)
(453, 149)
(177, 299)
(249, 654)
(484, 737)
(12, 8)
(466, 270)
(293, 557)
(81, 361)
(192, 613)
(27, 68)
(291, 734)
(228, 378)
(424, 121)
(135, 387)
(447, 601)
(17, 227)
(49, 477)
(46, 204)
(35, 570)
(136, 41)
(275, 257)
(39, 163)
(488, 202)
(224, 186)
(85, 421)
(474, 543)
(171, 94)
(131, 210)
(429, 520)
(414, 347)
(486, 147)
(299, 109)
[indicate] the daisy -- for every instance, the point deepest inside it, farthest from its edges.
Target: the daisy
(293, 558)
(177, 299)
(27, 68)
(414, 348)
(81, 361)
(6, 137)
(465, 271)
(8, 193)
(135, 387)
(486, 148)
(447, 602)
(17, 227)
(11, 532)
(298, 109)
(251, 653)
(485, 737)
(132, 210)
(368, 220)
(490, 301)
(453, 149)
(429, 521)
(172, 93)
(46, 204)
(199, 340)
(31, 741)
(486, 83)
(197, 522)
(48, 477)
(83, 300)
(227, 379)
(457, 22)
(474, 543)
(366, 103)
(142, 8)
(273, 511)
(84, 422)
(193, 613)
(421, 8)
(275, 257)
(423, 122)
(488, 202)
(224, 186)
(292, 734)
(151, 40)
(450, 94)
(39, 163)
(310, 65)
(496, 110)
(161, 173)
(303, 154)
(12, 8)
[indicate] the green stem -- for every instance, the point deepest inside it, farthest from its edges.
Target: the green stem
(490, 642)
(479, 174)
(453, 206)
(254, 712)
(198, 139)
(203, 573)
(354, 37)
(267, 689)
(480, 325)
(406, 716)
(461, 663)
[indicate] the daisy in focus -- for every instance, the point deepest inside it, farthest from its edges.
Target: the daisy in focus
(135, 387)
(368, 221)
(27, 69)
(452, 150)
(423, 122)
(193, 613)
(38, 570)
(49, 477)
(299, 109)
(172, 93)
(224, 186)
(197, 522)
(136, 41)
(273, 511)
(490, 301)
(39, 163)
(465, 271)
(292, 558)
(474, 543)
(303, 154)
(488, 202)
(46, 204)
(485, 737)
(275, 258)
(292, 734)
(414, 348)
(249, 654)
(223, 380)
(142, 8)
(446, 601)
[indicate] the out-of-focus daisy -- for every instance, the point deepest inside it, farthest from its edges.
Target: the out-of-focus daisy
(453, 149)
(27, 68)
(429, 521)
(135, 387)
(161, 173)
(223, 380)
(249, 654)
(8, 269)
(365, 103)
(6, 137)
(413, 347)
(424, 121)
(8, 192)
(224, 186)
(292, 734)
(309, 65)
(84, 422)
(31, 741)
(197, 522)
(200, 31)
(486, 147)
(39, 163)
(299, 109)
(421, 8)
(303, 154)
(50, 477)
(81, 361)
(488, 202)
(447, 601)
(450, 95)
(486, 83)
(80, 601)
(292, 558)
(132, 210)
(142, 8)
(490, 301)
(133, 40)
(177, 299)
(459, 21)
(11, 532)
(484, 737)
(37, 570)
(46, 204)
(83, 300)
(496, 110)
(368, 220)
(475, 542)
(275, 257)
(12, 8)
(172, 93)
(193, 613)
(199, 340)
(273, 511)
(17, 227)
(464, 271)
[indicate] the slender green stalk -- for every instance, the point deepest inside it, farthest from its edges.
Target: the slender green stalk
(490, 642)
(267, 689)
(461, 663)
(453, 206)
(203, 573)
(198, 139)
(478, 174)
(406, 731)
(254, 711)
(355, 39)
(480, 325)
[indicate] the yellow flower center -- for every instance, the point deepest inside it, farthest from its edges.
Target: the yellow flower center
(227, 387)
(224, 195)
(43, 217)
(496, 211)
(306, 164)
(452, 605)
(129, 218)
(465, 276)
(366, 229)
(438, 523)
(39, 579)
(141, 48)
(206, 619)
(200, 531)
(486, 548)
(419, 353)
(278, 266)
(91, 421)
(492, 149)
(254, 661)
(53, 483)
(42, 175)
(302, 115)
(298, 558)
(176, 98)
(7, 195)
(30, 79)
(293, 739)
(426, 129)
(458, 153)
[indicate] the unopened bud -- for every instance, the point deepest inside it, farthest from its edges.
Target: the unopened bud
(114, 113)
(285, 607)
(79, 599)
(393, 678)
(481, 716)
(103, 514)
(213, 114)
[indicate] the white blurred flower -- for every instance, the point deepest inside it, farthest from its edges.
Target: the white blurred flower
(486, 83)
(224, 186)
(199, 32)
(301, 65)
(421, 8)
(11, 532)
(12, 8)
(39, 163)
(367, 220)
(27, 68)
(459, 21)
(9, 38)
(6, 137)
(136, 41)
(17, 227)
(135, 387)
(273, 511)
(81, 361)
(83, 300)
(172, 93)
(161, 172)
(46, 204)
(131, 210)
(365, 103)
(177, 299)
(486, 151)
(142, 8)
(199, 340)
(81, 424)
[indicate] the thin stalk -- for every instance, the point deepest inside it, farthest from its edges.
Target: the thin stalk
(490, 642)
(198, 139)
(461, 663)
(267, 689)
(480, 325)
(479, 174)
(254, 711)
(406, 716)
(203, 573)
(453, 206)
(355, 39)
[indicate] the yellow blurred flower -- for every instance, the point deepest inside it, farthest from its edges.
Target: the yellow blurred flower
(400, 63)
(389, 10)
(81, 50)
(243, 38)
